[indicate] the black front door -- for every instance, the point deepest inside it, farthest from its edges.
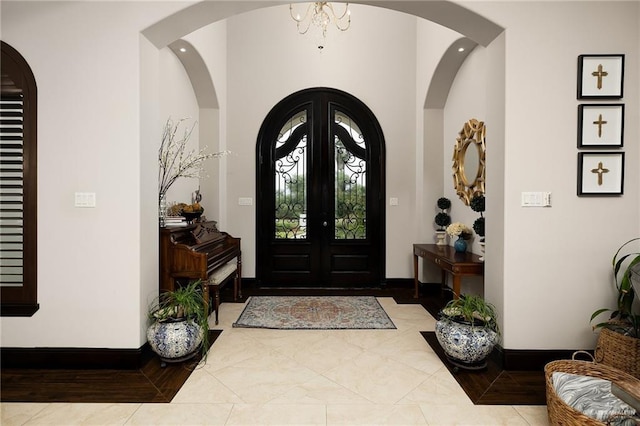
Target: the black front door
(320, 201)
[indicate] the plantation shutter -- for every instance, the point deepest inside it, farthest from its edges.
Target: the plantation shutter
(18, 186)
(11, 190)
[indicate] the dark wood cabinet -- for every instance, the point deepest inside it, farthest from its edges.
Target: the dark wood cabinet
(449, 261)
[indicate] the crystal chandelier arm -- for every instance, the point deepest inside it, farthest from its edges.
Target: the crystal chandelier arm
(300, 20)
(337, 19)
(321, 14)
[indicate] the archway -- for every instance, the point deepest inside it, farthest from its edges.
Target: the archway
(472, 25)
(448, 14)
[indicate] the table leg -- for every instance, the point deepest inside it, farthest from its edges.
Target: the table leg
(456, 286)
(235, 287)
(239, 277)
(217, 302)
(415, 276)
(443, 281)
(205, 296)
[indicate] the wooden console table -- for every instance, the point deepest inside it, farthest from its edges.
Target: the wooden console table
(446, 258)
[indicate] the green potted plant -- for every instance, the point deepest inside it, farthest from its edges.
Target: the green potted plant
(477, 204)
(179, 323)
(442, 219)
(467, 330)
(619, 340)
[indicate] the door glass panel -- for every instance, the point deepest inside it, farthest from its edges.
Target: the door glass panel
(350, 179)
(290, 180)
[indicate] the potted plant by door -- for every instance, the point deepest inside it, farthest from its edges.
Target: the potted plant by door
(443, 220)
(467, 330)
(619, 340)
(179, 323)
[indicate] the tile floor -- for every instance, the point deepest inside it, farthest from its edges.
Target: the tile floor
(315, 377)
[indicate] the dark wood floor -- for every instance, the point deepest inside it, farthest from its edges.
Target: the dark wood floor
(152, 383)
(493, 385)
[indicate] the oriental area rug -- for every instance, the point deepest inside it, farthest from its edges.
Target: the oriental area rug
(314, 313)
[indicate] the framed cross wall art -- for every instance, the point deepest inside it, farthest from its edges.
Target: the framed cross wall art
(600, 173)
(600, 76)
(600, 125)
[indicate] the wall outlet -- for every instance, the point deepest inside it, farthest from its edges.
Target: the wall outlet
(393, 201)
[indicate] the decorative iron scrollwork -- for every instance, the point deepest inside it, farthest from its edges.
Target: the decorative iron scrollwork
(290, 182)
(350, 180)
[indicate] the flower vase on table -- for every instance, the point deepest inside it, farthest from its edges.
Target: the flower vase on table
(462, 232)
(460, 245)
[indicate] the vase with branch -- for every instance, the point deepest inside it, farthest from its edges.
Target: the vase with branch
(175, 161)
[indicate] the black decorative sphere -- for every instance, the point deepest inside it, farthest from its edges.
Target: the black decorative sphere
(478, 226)
(477, 203)
(442, 219)
(444, 203)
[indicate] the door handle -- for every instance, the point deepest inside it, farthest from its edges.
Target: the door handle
(324, 223)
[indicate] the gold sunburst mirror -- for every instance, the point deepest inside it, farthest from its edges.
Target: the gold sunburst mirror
(469, 161)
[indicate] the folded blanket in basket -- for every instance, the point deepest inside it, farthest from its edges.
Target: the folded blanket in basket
(592, 396)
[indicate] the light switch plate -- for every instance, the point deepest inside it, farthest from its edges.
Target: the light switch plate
(85, 199)
(536, 199)
(393, 201)
(245, 201)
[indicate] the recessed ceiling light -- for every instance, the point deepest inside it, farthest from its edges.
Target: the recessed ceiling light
(460, 49)
(183, 49)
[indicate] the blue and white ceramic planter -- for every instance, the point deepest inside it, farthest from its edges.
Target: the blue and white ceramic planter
(464, 343)
(174, 340)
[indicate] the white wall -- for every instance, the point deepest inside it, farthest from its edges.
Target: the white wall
(494, 193)
(211, 43)
(86, 59)
(557, 260)
(178, 101)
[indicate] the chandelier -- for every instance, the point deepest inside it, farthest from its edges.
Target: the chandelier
(321, 14)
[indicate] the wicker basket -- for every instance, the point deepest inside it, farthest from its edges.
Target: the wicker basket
(560, 413)
(619, 351)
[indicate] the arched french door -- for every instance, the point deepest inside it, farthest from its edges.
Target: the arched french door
(320, 193)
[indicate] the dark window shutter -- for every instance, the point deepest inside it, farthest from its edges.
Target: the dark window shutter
(18, 186)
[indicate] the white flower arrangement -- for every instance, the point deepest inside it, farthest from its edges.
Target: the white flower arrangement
(174, 162)
(458, 229)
